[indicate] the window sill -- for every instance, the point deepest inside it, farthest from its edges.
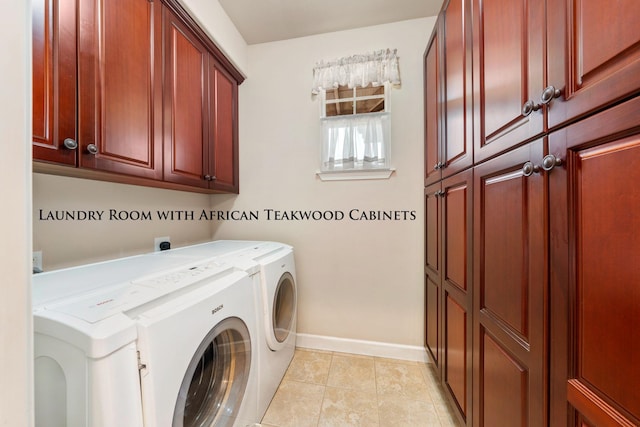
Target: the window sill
(353, 175)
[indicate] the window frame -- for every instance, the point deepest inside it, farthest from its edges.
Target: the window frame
(383, 172)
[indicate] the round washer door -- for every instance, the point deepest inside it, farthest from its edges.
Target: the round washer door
(216, 378)
(283, 311)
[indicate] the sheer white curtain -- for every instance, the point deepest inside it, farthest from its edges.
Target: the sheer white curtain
(356, 142)
(375, 68)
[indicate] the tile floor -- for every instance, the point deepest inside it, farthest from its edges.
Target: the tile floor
(328, 389)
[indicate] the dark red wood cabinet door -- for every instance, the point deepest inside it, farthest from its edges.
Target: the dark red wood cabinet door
(432, 102)
(223, 134)
(457, 142)
(120, 87)
(433, 280)
(510, 291)
(594, 55)
(186, 107)
(54, 80)
(457, 226)
(595, 270)
(508, 44)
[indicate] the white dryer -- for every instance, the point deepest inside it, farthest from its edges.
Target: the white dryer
(145, 341)
(277, 302)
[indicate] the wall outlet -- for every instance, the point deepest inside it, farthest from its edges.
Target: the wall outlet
(37, 261)
(158, 240)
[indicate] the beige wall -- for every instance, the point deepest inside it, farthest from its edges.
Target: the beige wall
(358, 280)
(71, 242)
(15, 216)
(215, 21)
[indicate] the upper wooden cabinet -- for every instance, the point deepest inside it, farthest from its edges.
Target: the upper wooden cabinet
(54, 80)
(133, 91)
(508, 62)
(594, 56)
(535, 72)
(186, 106)
(448, 94)
(223, 134)
(200, 143)
(120, 87)
(432, 94)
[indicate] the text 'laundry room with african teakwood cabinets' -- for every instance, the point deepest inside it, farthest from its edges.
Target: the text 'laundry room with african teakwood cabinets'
(208, 204)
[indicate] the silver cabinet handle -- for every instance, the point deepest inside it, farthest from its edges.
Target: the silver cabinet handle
(550, 161)
(70, 143)
(92, 149)
(549, 93)
(529, 168)
(529, 107)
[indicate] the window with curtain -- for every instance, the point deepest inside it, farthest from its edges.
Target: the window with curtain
(355, 118)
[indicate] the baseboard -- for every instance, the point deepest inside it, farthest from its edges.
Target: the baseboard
(368, 348)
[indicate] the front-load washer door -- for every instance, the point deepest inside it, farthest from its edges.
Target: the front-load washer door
(216, 378)
(283, 311)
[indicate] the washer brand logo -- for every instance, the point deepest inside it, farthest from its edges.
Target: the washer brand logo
(217, 309)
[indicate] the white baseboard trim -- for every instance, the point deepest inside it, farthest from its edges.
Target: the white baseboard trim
(368, 348)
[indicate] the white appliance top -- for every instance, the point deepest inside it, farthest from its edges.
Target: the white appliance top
(94, 307)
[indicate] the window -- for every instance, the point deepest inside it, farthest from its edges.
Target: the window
(355, 128)
(354, 116)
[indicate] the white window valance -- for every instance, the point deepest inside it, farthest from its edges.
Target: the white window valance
(375, 68)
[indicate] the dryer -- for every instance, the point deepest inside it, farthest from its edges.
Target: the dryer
(145, 341)
(277, 300)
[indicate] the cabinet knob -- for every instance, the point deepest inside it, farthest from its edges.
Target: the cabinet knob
(550, 161)
(529, 168)
(549, 93)
(529, 107)
(92, 149)
(436, 166)
(207, 177)
(71, 144)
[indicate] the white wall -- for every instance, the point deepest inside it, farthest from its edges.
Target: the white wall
(215, 21)
(359, 280)
(15, 215)
(71, 242)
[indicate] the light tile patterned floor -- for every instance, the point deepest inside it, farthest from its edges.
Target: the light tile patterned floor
(326, 389)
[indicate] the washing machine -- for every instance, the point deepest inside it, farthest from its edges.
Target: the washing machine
(145, 341)
(271, 265)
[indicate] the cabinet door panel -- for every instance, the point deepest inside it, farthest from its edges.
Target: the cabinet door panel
(433, 228)
(223, 131)
(508, 61)
(457, 225)
(432, 294)
(457, 147)
(120, 86)
(595, 269)
(432, 110)
(433, 280)
(510, 291)
(594, 55)
(504, 390)
(54, 79)
(186, 105)
(456, 352)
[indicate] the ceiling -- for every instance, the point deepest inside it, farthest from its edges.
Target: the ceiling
(261, 21)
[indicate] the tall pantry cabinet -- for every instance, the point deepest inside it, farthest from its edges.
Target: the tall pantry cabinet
(551, 253)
